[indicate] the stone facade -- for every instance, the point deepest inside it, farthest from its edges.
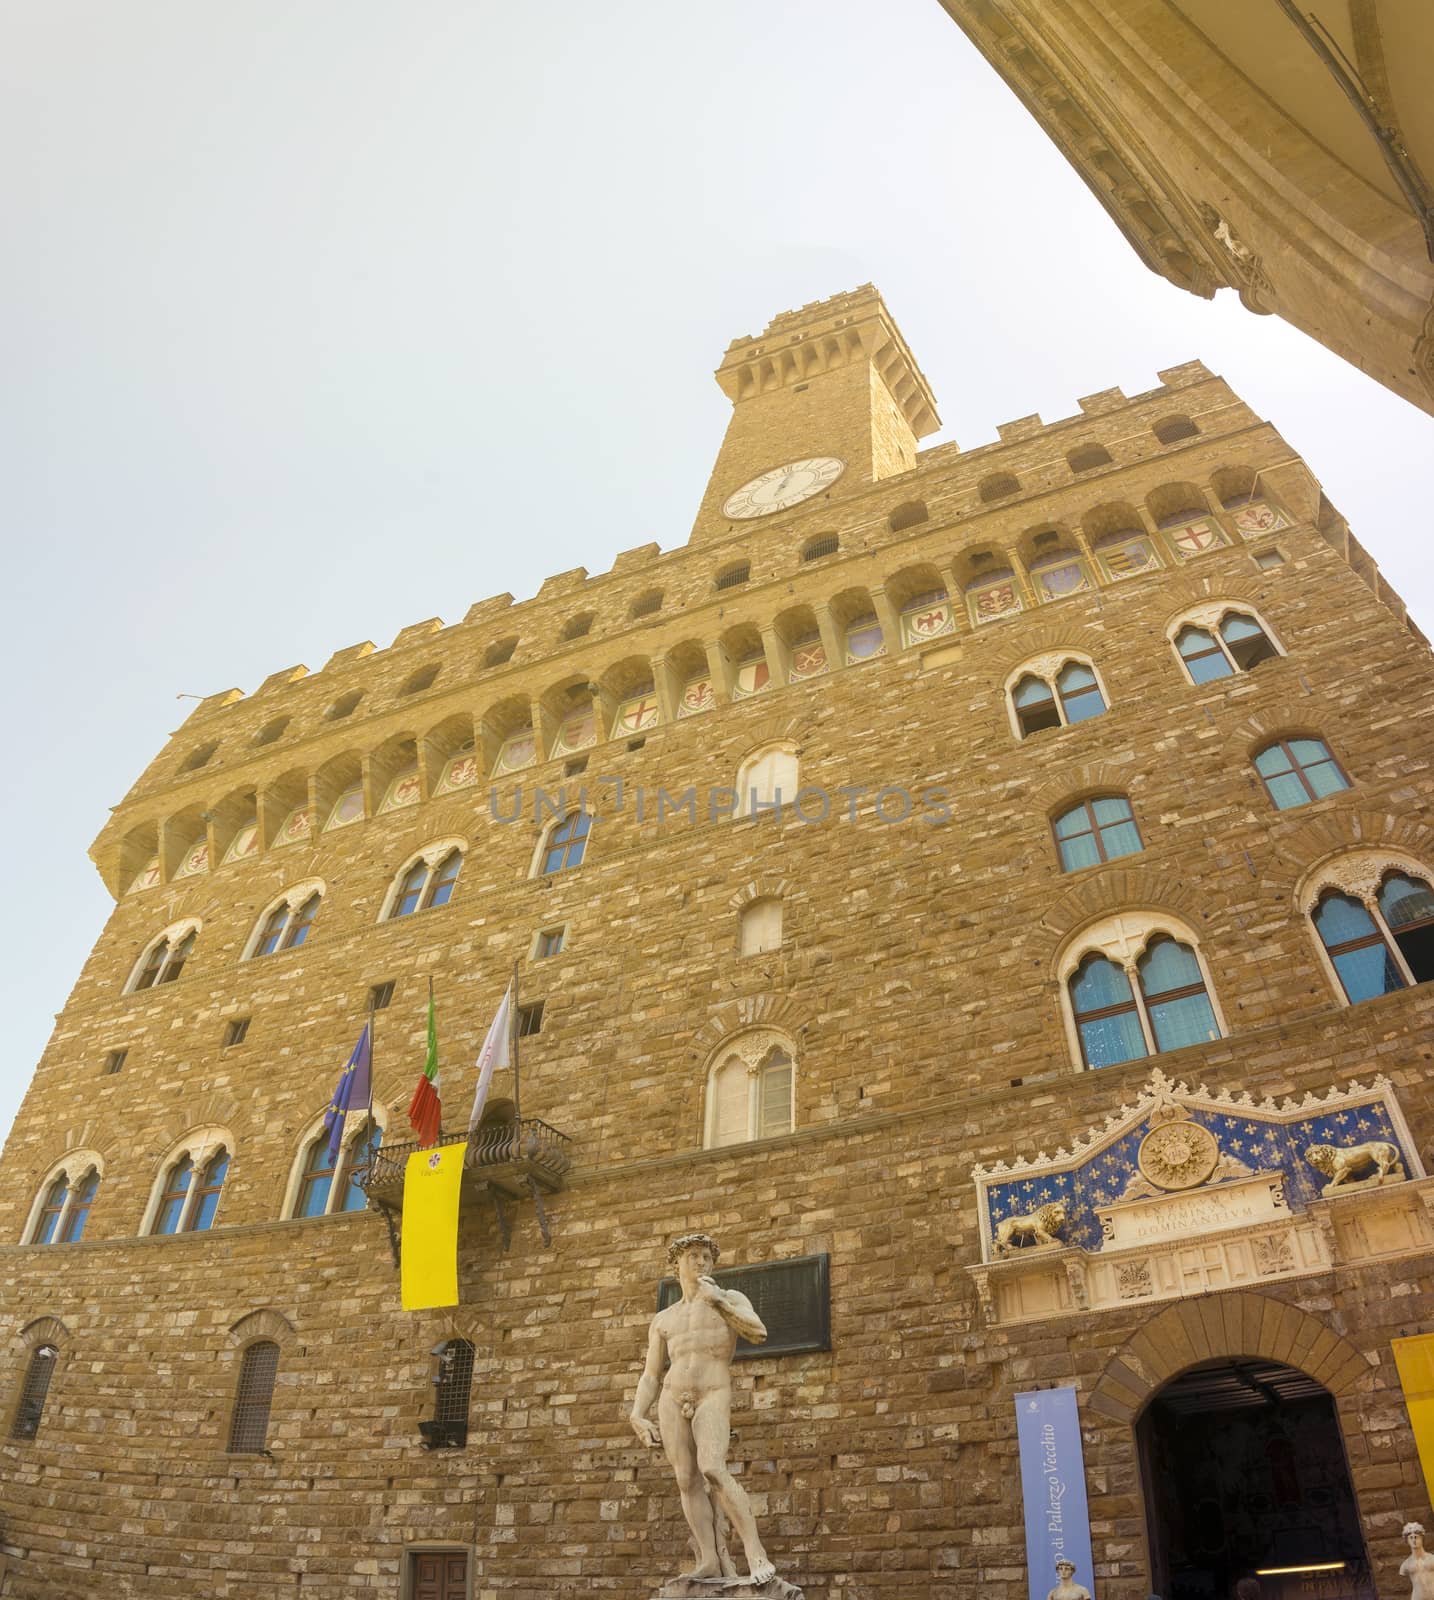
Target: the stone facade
(918, 980)
(1284, 155)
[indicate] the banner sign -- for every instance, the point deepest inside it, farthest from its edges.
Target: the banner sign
(1053, 1489)
(429, 1252)
(1414, 1360)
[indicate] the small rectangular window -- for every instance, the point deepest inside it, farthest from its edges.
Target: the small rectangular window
(793, 1299)
(572, 768)
(380, 996)
(236, 1031)
(1267, 560)
(549, 943)
(114, 1061)
(530, 1019)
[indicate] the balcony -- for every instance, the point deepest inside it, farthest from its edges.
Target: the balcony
(502, 1158)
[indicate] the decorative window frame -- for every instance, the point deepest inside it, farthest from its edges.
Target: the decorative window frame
(354, 1123)
(1357, 873)
(432, 856)
(294, 897)
(176, 932)
(73, 1166)
(200, 1144)
(541, 848)
(752, 1046)
(1209, 615)
(1048, 666)
(1123, 938)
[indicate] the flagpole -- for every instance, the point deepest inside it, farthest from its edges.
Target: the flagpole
(513, 1052)
(439, 1141)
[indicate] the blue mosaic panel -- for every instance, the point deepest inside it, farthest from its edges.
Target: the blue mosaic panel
(1262, 1142)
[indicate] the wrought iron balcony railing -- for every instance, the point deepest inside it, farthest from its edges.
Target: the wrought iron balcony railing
(499, 1155)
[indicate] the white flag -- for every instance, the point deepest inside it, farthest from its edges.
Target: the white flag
(493, 1054)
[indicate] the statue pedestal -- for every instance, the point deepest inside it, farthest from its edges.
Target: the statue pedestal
(727, 1589)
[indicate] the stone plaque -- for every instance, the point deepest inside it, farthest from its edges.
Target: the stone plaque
(1179, 1215)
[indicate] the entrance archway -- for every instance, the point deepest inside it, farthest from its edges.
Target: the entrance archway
(1245, 1475)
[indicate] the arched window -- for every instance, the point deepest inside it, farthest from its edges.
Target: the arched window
(1296, 771)
(750, 1093)
(1375, 923)
(767, 778)
(287, 927)
(423, 679)
(733, 577)
(30, 1406)
(344, 706)
(165, 958)
(998, 486)
(1054, 696)
(50, 1213)
(199, 756)
(206, 1193)
(1407, 905)
(759, 926)
(1135, 988)
(1361, 958)
(321, 1187)
(1235, 644)
(825, 544)
(1086, 457)
(565, 844)
(271, 731)
(426, 884)
(576, 627)
(187, 1195)
(174, 1200)
(498, 653)
(63, 1201)
(80, 1203)
(909, 515)
(253, 1398)
(646, 604)
(1096, 831)
(453, 1386)
(1171, 430)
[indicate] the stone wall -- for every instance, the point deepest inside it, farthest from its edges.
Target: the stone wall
(918, 979)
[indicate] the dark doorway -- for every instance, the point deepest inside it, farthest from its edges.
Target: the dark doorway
(1245, 1473)
(440, 1575)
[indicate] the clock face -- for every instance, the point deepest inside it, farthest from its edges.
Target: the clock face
(783, 486)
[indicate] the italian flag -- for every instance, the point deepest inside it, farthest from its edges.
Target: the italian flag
(425, 1110)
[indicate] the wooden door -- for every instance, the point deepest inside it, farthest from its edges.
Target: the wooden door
(440, 1575)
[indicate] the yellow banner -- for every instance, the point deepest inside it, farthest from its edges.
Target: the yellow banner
(429, 1251)
(1415, 1360)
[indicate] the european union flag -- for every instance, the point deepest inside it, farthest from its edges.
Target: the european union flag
(355, 1088)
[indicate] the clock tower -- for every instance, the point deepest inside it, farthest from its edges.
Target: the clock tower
(826, 401)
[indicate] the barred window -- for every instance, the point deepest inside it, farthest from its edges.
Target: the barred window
(33, 1391)
(249, 1423)
(452, 1385)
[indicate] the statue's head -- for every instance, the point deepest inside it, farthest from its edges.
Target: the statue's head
(685, 1241)
(1413, 1531)
(1065, 1569)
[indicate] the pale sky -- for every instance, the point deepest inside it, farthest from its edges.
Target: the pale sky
(321, 319)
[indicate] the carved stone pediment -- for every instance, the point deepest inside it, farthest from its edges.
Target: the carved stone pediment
(1189, 1189)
